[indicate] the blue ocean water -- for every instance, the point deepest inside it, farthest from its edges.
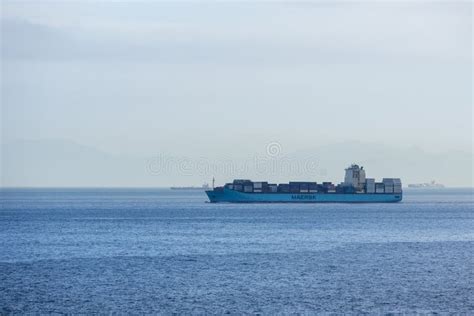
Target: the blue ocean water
(163, 251)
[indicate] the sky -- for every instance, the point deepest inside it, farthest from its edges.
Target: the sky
(207, 79)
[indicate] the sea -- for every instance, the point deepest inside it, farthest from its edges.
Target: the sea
(159, 251)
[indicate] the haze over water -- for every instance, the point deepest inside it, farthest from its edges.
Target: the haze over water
(92, 91)
(148, 250)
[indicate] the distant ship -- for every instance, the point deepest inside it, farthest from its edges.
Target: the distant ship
(430, 185)
(356, 188)
(203, 187)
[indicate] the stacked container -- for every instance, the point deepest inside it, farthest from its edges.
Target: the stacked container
(294, 187)
(248, 188)
(379, 187)
(272, 188)
(388, 185)
(284, 188)
(392, 185)
(397, 185)
(370, 185)
(304, 188)
(257, 187)
(243, 185)
(328, 187)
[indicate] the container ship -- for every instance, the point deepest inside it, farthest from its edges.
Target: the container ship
(356, 188)
(431, 185)
(203, 187)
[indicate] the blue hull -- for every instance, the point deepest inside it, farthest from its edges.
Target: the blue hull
(231, 196)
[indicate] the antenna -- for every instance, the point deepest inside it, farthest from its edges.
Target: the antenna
(213, 181)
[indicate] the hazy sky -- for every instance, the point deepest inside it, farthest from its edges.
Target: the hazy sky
(200, 78)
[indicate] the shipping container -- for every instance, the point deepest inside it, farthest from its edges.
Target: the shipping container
(397, 189)
(392, 181)
(242, 181)
(294, 188)
(284, 188)
(248, 188)
(379, 187)
(273, 188)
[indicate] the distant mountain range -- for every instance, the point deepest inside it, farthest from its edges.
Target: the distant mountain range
(66, 163)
